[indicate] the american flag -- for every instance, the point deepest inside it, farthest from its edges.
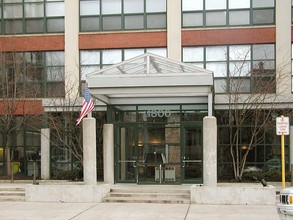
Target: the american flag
(87, 105)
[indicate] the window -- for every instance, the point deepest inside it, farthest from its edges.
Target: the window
(237, 68)
(32, 16)
(33, 74)
(93, 60)
(112, 15)
(217, 13)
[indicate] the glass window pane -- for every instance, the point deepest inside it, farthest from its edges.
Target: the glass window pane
(193, 54)
(156, 6)
(12, 11)
(13, 27)
(55, 74)
(192, 19)
(11, 1)
(133, 6)
(90, 7)
(130, 53)
(90, 57)
(263, 51)
(216, 18)
(267, 65)
(265, 16)
(220, 85)
(34, 26)
(156, 21)
(112, 56)
(158, 51)
(134, 21)
(219, 68)
(191, 5)
(216, 53)
(90, 24)
(239, 52)
(55, 58)
(55, 25)
(55, 89)
(111, 7)
(240, 85)
(34, 10)
(239, 18)
(237, 69)
(239, 4)
(263, 3)
(112, 23)
(55, 9)
(84, 70)
(215, 4)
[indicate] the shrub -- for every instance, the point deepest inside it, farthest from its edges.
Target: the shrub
(269, 176)
(69, 175)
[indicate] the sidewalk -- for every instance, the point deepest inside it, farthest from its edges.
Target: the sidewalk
(133, 211)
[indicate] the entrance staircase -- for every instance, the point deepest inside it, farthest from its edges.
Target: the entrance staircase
(11, 193)
(148, 194)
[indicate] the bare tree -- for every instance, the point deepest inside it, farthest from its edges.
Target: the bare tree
(252, 103)
(66, 136)
(18, 93)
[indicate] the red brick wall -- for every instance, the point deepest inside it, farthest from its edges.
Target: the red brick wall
(31, 43)
(123, 40)
(228, 36)
(28, 107)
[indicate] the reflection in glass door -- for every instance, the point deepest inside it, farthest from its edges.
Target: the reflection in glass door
(126, 151)
(192, 154)
(159, 154)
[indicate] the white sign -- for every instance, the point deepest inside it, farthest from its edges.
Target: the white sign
(282, 125)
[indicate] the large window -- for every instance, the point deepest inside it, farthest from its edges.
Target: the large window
(111, 15)
(237, 68)
(32, 74)
(31, 16)
(264, 155)
(212, 13)
(93, 60)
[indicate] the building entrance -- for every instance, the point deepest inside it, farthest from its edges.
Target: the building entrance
(158, 153)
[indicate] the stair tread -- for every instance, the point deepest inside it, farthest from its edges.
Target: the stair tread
(148, 194)
(146, 200)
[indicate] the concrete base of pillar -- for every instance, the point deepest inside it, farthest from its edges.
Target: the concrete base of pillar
(66, 193)
(233, 194)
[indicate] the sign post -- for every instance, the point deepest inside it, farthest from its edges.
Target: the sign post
(282, 127)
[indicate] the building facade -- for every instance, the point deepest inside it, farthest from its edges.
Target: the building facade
(247, 45)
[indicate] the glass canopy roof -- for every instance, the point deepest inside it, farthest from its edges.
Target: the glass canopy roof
(151, 79)
(149, 64)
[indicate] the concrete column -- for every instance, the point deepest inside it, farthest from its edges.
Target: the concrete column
(283, 47)
(174, 29)
(71, 49)
(89, 151)
(210, 151)
(45, 153)
(291, 146)
(108, 148)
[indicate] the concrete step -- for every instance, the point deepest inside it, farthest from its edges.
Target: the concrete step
(145, 194)
(12, 194)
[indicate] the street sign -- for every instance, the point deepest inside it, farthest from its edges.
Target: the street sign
(282, 125)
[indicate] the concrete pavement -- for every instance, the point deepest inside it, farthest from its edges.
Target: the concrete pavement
(129, 211)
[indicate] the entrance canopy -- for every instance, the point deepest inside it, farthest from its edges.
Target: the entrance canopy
(151, 79)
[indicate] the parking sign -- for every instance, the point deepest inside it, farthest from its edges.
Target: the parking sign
(282, 125)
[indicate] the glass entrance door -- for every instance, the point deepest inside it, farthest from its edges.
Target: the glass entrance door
(159, 153)
(147, 153)
(192, 153)
(126, 153)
